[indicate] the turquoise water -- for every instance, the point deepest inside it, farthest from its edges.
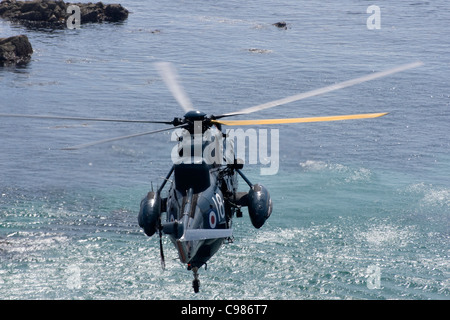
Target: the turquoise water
(361, 208)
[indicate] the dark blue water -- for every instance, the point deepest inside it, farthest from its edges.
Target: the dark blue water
(361, 208)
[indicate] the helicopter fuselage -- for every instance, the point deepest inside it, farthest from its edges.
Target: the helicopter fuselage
(203, 196)
(198, 218)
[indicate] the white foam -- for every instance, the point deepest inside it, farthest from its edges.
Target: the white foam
(438, 196)
(30, 242)
(312, 165)
(431, 195)
(351, 174)
(385, 234)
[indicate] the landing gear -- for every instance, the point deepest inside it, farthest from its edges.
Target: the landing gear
(196, 282)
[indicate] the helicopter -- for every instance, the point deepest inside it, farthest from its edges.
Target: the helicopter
(197, 211)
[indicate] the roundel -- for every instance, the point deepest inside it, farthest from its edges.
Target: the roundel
(212, 219)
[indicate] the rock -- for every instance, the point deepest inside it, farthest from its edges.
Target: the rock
(281, 25)
(15, 50)
(98, 12)
(115, 12)
(53, 13)
(255, 50)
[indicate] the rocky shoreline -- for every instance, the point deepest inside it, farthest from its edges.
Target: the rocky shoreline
(53, 13)
(15, 50)
(57, 14)
(48, 14)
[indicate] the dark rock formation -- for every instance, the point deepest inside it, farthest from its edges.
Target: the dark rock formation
(99, 12)
(15, 50)
(255, 50)
(281, 25)
(53, 13)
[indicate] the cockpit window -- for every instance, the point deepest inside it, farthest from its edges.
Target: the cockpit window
(192, 175)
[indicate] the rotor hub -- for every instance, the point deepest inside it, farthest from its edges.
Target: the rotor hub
(195, 115)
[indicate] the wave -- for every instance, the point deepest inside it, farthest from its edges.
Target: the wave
(387, 235)
(430, 195)
(349, 174)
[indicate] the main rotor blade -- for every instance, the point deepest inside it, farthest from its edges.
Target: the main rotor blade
(323, 90)
(297, 120)
(80, 146)
(31, 116)
(170, 77)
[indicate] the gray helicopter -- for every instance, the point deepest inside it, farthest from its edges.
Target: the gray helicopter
(203, 197)
(197, 211)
